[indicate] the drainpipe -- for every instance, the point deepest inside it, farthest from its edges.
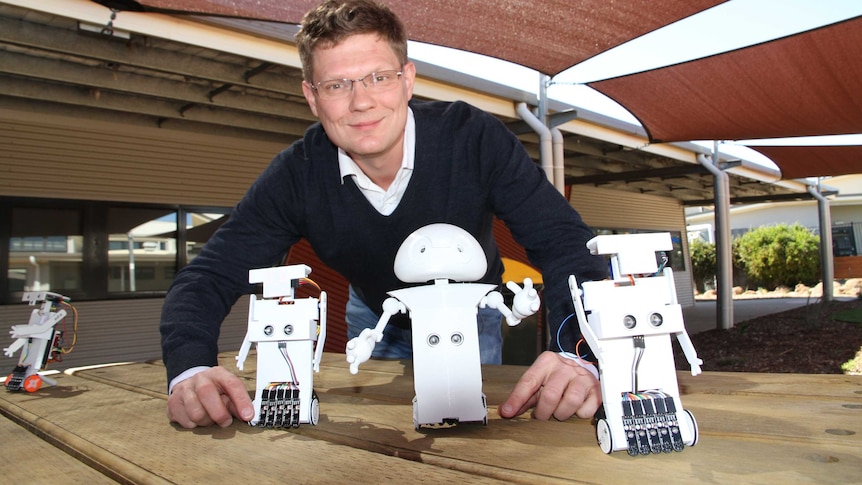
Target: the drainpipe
(545, 147)
(723, 248)
(827, 269)
(37, 284)
(559, 160)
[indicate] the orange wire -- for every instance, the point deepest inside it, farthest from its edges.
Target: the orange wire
(578, 352)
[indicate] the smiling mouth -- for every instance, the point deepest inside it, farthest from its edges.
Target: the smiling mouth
(365, 124)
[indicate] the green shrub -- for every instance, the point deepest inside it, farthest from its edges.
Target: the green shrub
(703, 265)
(779, 255)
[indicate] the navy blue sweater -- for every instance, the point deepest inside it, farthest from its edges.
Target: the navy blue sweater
(468, 168)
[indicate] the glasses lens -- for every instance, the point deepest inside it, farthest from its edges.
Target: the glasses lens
(380, 80)
(335, 88)
(339, 88)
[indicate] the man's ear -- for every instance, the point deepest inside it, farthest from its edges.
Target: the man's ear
(310, 98)
(409, 73)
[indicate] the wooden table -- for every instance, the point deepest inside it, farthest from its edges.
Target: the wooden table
(109, 423)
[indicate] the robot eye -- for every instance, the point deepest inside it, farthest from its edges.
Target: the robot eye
(629, 321)
(655, 319)
(433, 339)
(421, 249)
(457, 338)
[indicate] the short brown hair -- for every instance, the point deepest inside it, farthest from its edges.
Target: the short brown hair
(335, 20)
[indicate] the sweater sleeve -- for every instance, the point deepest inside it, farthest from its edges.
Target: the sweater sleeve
(260, 230)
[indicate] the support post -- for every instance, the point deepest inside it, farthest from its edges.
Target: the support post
(723, 246)
(827, 263)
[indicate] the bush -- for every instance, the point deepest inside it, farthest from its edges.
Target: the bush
(703, 263)
(780, 255)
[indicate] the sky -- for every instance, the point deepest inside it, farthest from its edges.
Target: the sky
(728, 26)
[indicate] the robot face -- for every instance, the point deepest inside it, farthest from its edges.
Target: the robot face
(440, 251)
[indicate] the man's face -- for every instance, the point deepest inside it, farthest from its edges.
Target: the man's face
(368, 125)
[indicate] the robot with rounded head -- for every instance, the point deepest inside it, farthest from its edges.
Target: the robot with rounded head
(38, 339)
(628, 321)
(446, 364)
(284, 330)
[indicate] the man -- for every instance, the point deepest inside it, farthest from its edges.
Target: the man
(377, 167)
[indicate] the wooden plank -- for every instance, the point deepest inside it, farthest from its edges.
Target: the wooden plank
(25, 458)
(127, 432)
(754, 428)
(836, 386)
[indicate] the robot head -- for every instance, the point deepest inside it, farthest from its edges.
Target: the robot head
(439, 251)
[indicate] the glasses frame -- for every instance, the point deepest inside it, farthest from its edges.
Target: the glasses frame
(351, 83)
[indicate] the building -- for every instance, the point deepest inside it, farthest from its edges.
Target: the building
(127, 137)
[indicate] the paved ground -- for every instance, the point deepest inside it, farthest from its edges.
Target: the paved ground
(703, 315)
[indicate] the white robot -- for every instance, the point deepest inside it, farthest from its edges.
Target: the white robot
(38, 338)
(446, 364)
(284, 330)
(628, 321)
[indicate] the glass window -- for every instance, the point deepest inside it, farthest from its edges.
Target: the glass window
(45, 251)
(142, 254)
(200, 226)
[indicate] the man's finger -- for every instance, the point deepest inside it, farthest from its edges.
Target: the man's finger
(239, 402)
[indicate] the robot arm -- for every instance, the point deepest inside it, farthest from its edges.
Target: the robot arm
(526, 302)
(690, 352)
(321, 337)
(24, 332)
(30, 330)
(359, 348)
(243, 352)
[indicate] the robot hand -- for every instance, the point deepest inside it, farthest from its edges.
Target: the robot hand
(18, 344)
(21, 331)
(526, 301)
(359, 348)
(695, 366)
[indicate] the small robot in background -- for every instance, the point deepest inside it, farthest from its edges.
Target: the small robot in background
(446, 363)
(284, 330)
(627, 322)
(38, 341)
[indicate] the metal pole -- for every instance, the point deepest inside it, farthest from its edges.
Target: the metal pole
(827, 264)
(723, 246)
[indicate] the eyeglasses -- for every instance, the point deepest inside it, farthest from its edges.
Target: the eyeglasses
(374, 82)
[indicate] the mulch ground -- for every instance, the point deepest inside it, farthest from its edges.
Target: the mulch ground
(805, 340)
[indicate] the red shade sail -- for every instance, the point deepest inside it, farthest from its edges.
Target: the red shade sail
(814, 161)
(803, 85)
(546, 35)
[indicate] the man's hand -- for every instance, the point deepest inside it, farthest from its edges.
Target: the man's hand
(210, 397)
(554, 386)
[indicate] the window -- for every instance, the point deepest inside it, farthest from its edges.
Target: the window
(90, 250)
(200, 226)
(142, 243)
(44, 251)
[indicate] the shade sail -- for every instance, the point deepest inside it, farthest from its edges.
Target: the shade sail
(807, 84)
(546, 35)
(814, 161)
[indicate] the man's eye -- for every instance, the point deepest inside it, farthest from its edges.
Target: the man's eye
(333, 86)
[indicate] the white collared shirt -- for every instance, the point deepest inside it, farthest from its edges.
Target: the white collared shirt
(385, 201)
